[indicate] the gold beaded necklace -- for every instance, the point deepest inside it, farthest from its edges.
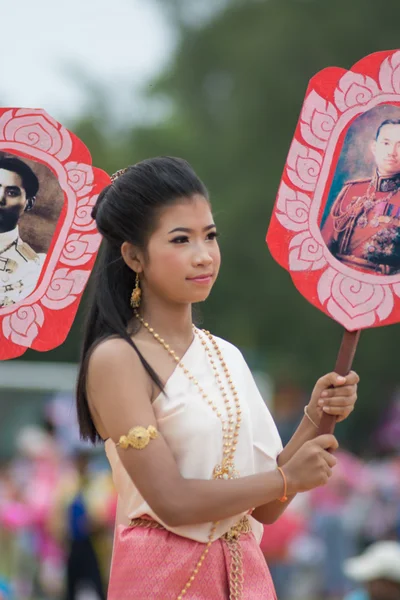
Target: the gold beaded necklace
(230, 429)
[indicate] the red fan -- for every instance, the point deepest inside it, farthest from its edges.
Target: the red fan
(336, 220)
(48, 240)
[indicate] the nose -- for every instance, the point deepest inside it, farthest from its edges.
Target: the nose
(202, 256)
(391, 151)
(2, 197)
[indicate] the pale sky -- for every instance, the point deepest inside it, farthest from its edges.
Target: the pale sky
(46, 43)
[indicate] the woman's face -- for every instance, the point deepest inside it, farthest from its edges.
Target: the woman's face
(183, 257)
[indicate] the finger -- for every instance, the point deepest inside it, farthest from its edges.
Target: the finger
(338, 411)
(345, 390)
(352, 378)
(327, 381)
(327, 441)
(328, 475)
(339, 401)
(329, 459)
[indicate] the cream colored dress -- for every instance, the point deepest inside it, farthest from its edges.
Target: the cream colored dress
(194, 434)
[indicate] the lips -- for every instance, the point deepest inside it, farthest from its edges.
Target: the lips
(201, 277)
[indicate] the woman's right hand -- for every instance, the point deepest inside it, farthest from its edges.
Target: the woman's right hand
(312, 465)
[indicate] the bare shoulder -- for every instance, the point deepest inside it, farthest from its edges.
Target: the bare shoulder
(118, 387)
(115, 364)
(113, 352)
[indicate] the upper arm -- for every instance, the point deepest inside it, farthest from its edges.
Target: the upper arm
(119, 390)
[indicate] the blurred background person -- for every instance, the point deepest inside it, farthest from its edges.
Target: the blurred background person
(83, 569)
(377, 572)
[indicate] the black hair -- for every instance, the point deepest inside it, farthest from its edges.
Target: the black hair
(126, 211)
(29, 180)
(387, 122)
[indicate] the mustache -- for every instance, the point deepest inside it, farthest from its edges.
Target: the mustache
(9, 217)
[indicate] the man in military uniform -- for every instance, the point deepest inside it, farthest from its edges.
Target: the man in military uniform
(20, 265)
(363, 226)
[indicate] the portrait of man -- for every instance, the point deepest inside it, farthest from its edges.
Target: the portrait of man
(20, 265)
(362, 227)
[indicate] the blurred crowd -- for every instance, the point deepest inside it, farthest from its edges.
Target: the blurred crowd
(308, 548)
(57, 509)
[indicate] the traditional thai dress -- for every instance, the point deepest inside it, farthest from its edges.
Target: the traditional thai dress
(153, 560)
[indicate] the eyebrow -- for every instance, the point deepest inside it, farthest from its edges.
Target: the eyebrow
(11, 187)
(187, 230)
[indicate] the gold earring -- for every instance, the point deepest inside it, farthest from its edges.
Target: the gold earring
(136, 294)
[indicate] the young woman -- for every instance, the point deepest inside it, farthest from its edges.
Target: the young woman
(196, 457)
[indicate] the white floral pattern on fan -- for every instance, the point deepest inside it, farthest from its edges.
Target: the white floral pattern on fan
(23, 325)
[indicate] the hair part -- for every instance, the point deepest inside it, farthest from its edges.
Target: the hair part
(126, 211)
(387, 122)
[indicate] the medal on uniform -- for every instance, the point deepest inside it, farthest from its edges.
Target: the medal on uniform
(362, 221)
(374, 222)
(368, 204)
(330, 183)
(48, 241)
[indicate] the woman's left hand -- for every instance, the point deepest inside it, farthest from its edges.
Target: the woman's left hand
(334, 395)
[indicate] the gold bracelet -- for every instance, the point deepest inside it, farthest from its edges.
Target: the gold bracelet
(309, 418)
(138, 437)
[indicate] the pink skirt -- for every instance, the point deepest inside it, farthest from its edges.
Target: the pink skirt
(151, 564)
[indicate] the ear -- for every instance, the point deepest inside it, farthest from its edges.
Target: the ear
(132, 257)
(30, 202)
(372, 147)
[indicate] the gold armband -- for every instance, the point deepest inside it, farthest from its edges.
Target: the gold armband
(138, 437)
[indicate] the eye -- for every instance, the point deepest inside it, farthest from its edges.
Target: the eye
(182, 239)
(13, 193)
(213, 235)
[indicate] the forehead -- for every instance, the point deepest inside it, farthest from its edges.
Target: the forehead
(192, 213)
(9, 178)
(390, 132)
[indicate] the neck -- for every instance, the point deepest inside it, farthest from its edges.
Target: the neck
(171, 322)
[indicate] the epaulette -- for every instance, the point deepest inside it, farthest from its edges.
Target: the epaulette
(363, 180)
(26, 251)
